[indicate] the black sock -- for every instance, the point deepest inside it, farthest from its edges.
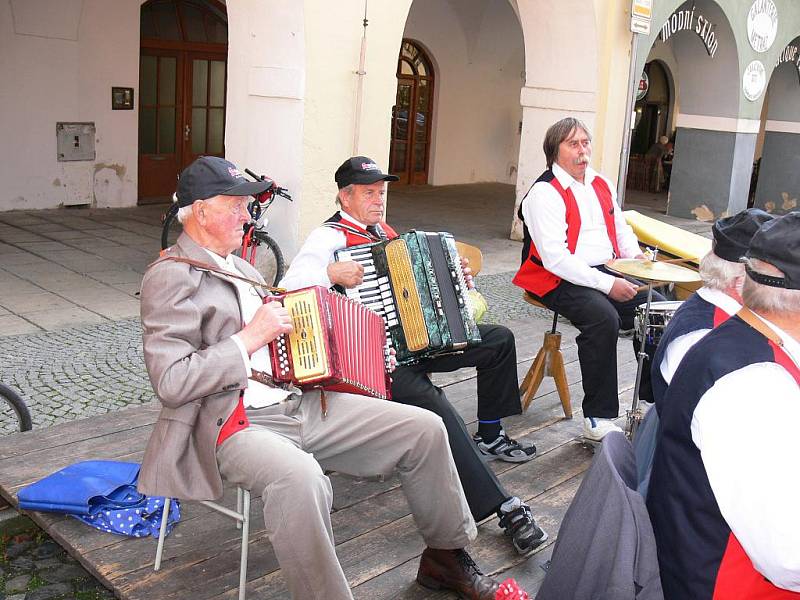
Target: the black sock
(489, 430)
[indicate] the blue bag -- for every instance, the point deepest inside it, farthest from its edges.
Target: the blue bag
(102, 494)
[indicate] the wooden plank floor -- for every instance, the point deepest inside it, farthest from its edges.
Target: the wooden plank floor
(377, 541)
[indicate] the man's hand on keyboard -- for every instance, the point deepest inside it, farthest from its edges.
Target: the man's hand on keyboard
(348, 274)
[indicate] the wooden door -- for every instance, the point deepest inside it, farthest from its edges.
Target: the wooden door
(160, 123)
(182, 81)
(411, 116)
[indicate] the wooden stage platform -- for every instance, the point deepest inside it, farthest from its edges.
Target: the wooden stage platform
(377, 541)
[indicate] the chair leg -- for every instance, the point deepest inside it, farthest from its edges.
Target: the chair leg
(560, 377)
(245, 495)
(162, 534)
(533, 379)
(239, 495)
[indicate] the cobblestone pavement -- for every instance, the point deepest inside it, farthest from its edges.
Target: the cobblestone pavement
(89, 370)
(74, 373)
(34, 567)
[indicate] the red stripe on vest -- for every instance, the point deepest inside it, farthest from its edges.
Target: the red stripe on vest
(720, 316)
(737, 577)
(363, 236)
(532, 276)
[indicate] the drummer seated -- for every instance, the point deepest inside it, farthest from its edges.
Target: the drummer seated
(573, 226)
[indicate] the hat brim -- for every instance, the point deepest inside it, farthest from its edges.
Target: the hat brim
(368, 178)
(247, 188)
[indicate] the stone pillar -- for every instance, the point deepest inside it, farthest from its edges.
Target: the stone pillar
(778, 189)
(712, 166)
(540, 109)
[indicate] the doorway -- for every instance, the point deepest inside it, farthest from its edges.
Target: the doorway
(182, 81)
(411, 116)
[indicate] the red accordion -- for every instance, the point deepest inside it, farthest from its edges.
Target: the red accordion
(337, 344)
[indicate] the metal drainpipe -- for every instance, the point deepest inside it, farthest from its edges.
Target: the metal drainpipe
(360, 87)
(633, 83)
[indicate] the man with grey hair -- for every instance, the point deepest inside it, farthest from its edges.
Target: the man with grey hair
(719, 299)
(724, 489)
(573, 226)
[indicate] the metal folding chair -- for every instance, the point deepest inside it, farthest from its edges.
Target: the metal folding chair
(242, 517)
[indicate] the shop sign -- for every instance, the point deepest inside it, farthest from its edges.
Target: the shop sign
(790, 54)
(762, 25)
(644, 85)
(684, 20)
(754, 80)
(641, 15)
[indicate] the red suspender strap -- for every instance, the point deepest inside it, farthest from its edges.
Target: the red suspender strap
(236, 422)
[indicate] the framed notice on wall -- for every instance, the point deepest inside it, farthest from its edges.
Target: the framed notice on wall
(641, 15)
(121, 98)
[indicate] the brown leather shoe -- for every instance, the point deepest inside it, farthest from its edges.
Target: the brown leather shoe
(455, 570)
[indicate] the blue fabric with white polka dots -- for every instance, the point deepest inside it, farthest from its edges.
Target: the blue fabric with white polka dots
(138, 520)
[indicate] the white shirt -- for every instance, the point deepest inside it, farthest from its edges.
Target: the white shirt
(678, 347)
(545, 216)
(310, 266)
(746, 428)
(257, 395)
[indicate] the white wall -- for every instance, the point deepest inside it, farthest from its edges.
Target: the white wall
(478, 52)
(60, 59)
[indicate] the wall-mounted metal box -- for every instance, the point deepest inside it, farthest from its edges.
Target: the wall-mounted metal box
(75, 141)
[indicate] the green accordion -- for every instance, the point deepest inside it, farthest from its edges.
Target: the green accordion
(416, 284)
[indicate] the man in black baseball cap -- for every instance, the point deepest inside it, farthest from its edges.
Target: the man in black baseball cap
(210, 176)
(361, 195)
(723, 500)
(718, 299)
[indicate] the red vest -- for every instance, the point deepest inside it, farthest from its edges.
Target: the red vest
(532, 276)
(354, 233)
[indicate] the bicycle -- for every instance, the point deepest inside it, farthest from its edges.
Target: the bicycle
(258, 248)
(21, 421)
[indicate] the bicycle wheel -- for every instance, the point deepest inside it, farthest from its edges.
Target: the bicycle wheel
(269, 258)
(171, 229)
(18, 418)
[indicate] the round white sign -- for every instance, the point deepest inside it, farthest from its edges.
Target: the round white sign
(754, 80)
(762, 25)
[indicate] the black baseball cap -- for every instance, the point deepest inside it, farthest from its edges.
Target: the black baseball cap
(778, 243)
(360, 170)
(210, 176)
(732, 234)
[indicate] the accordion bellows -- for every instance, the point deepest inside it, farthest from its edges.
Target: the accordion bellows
(337, 344)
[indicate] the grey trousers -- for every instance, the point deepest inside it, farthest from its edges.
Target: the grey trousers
(282, 456)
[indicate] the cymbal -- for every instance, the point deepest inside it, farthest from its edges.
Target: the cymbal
(648, 270)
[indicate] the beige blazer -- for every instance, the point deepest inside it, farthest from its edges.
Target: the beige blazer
(196, 369)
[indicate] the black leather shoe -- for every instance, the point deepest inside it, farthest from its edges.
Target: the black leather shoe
(455, 570)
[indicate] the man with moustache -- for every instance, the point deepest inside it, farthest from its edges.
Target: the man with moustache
(573, 226)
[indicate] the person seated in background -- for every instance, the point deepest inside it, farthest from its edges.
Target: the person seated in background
(205, 331)
(655, 157)
(573, 226)
(361, 197)
(660, 149)
(724, 490)
(716, 301)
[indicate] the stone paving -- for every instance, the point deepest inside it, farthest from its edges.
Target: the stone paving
(34, 567)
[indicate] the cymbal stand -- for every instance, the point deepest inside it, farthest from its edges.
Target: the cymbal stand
(635, 415)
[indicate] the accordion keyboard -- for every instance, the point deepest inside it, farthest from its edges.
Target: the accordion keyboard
(375, 292)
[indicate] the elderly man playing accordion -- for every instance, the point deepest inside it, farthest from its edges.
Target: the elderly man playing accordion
(205, 331)
(724, 490)
(361, 197)
(713, 304)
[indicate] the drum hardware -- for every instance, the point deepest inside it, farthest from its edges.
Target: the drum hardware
(650, 271)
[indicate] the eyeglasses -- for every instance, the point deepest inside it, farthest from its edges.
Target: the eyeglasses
(238, 208)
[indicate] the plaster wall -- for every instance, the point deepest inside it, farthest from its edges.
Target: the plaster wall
(330, 116)
(60, 59)
(478, 52)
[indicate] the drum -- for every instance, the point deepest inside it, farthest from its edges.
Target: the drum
(660, 314)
